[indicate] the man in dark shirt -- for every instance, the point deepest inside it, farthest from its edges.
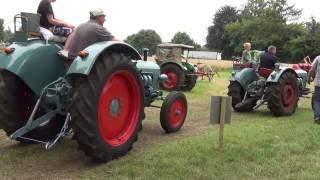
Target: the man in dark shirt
(48, 21)
(269, 59)
(89, 33)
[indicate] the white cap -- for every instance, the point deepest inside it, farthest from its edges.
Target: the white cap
(97, 12)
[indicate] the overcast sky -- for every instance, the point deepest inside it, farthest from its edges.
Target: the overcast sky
(127, 17)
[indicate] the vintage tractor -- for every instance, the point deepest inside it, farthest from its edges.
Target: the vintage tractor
(251, 87)
(181, 74)
(100, 98)
(305, 65)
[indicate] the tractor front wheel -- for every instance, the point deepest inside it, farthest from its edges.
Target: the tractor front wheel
(108, 108)
(176, 77)
(283, 96)
(173, 112)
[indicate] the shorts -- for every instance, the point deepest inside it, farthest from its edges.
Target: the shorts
(60, 31)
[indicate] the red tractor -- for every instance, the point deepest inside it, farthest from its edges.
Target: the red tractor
(304, 66)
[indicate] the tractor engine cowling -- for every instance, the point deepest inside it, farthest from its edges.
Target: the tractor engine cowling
(150, 73)
(302, 82)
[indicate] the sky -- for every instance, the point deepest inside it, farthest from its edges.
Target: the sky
(124, 18)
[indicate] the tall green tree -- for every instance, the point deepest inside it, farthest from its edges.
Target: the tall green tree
(184, 38)
(309, 44)
(144, 39)
(274, 8)
(8, 35)
(262, 32)
(266, 22)
(217, 38)
(1, 29)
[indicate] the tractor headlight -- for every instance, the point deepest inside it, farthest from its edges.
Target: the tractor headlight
(163, 77)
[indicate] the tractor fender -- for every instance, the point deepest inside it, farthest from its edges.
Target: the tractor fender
(84, 65)
(35, 62)
(245, 77)
(276, 74)
(183, 68)
(190, 67)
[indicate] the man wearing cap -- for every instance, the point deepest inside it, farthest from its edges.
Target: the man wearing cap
(89, 33)
(269, 59)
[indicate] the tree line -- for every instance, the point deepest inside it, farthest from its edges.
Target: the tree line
(264, 23)
(260, 22)
(5, 35)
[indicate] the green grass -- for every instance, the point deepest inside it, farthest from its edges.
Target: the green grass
(257, 146)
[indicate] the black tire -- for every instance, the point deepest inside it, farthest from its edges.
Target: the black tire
(16, 104)
(90, 130)
(174, 103)
(190, 82)
(176, 77)
(284, 95)
(237, 95)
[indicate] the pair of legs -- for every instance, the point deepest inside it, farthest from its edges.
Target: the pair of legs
(68, 42)
(316, 103)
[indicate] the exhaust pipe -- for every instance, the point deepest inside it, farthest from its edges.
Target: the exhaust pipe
(145, 53)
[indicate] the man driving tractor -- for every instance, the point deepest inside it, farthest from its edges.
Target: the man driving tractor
(269, 59)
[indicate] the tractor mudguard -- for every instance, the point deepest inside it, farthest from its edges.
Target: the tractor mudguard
(176, 63)
(245, 77)
(276, 74)
(189, 66)
(84, 65)
(35, 62)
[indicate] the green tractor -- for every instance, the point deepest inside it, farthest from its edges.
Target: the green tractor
(280, 89)
(181, 74)
(99, 98)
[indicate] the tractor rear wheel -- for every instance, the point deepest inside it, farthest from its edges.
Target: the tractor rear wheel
(176, 77)
(108, 108)
(190, 82)
(283, 96)
(16, 104)
(173, 112)
(237, 95)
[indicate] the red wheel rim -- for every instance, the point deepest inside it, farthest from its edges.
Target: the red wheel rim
(119, 108)
(289, 95)
(177, 113)
(172, 80)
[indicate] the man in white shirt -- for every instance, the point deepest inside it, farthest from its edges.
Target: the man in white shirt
(314, 75)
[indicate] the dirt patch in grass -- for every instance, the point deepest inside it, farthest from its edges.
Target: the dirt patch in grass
(65, 161)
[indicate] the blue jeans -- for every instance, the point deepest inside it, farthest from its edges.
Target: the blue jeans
(316, 102)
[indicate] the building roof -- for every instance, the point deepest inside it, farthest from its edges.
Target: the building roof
(171, 45)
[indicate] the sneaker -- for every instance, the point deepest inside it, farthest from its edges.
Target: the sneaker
(317, 120)
(63, 53)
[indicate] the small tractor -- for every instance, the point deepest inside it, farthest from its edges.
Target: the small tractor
(99, 98)
(251, 86)
(305, 65)
(181, 74)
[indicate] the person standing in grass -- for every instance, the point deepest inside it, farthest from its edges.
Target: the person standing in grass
(314, 75)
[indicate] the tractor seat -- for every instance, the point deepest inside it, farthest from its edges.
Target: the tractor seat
(264, 72)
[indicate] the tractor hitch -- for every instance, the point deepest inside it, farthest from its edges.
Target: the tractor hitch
(54, 99)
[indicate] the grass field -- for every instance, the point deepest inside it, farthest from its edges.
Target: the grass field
(257, 146)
